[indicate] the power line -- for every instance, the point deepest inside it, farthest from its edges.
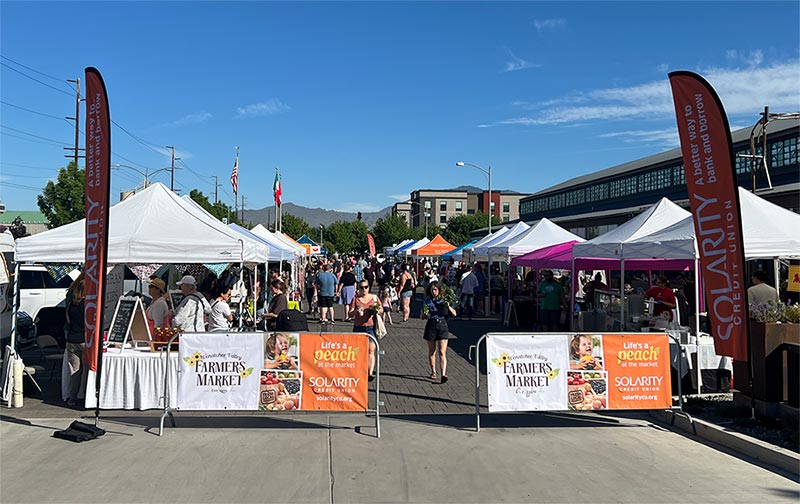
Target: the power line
(32, 69)
(33, 111)
(27, 166)
(142, 141)
(31, 134)
(34, 79)
(19, 186)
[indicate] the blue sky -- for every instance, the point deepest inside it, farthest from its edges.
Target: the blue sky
(360, 103)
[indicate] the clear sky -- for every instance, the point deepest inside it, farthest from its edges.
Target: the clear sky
(360, 103)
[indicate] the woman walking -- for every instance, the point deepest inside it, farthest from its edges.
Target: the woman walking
(365, 307)
(437, 310)
(347, 289)
(405, 288)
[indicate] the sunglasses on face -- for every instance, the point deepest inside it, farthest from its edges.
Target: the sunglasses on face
(363, 286)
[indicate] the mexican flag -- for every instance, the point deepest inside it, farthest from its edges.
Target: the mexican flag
(276, 188)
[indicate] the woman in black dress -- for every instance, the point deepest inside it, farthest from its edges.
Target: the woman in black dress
(437, 310)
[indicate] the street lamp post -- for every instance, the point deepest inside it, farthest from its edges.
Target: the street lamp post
(489, 173)
(320, 235)
(424, 213)
(146, 173)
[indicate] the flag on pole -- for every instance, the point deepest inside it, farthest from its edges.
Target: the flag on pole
(277, 192)
(235, 175)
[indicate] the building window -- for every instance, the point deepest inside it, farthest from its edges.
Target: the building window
(492, 207)
(506, 206)
(427, 204)
(443, 206)
(458, 206)
(442, 218)
(470, 211)
(506, 217)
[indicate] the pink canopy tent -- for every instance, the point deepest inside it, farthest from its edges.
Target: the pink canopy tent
(560, 257)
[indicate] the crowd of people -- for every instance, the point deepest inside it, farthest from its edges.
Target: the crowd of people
(450, 290)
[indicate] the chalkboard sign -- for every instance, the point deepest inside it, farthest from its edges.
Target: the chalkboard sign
(129, 323)
(176, 297)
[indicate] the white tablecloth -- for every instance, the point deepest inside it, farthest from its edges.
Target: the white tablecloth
(133, 380)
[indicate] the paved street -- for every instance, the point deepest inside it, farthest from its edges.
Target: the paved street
(428, 450)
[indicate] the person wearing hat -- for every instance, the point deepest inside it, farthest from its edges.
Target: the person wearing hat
(190, 314)
(158, 310)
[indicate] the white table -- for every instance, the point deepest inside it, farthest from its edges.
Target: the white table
(133, 379)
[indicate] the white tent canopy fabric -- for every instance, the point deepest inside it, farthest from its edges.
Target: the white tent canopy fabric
(153, 226)
(768, 231)
(542, 234)
(481, 252)
(421, 243)
(393, 249)
(284, 251)
(613, 243)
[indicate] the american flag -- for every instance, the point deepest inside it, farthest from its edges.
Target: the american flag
(235, 175)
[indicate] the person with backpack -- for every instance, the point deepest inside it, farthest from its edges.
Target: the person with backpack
(190, 314)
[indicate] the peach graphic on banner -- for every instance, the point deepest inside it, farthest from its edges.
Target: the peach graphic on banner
(334, 371)
(638, 371)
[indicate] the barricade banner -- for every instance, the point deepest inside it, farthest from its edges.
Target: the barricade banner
(219, 371)
(273, 372)
(552, 372)
(335, 371)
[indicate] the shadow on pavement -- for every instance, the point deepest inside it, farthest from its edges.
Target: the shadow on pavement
(466, 421)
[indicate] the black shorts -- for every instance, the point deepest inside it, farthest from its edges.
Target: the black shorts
(325, 301)
(436, 329)
(497, 292)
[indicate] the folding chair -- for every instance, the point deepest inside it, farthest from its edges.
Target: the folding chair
(49, 351)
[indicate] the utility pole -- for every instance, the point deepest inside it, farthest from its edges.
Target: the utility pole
(216, 192)
(242, 221)
(77, 117)
(172, 168)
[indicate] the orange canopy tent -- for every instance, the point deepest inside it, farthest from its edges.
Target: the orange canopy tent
(435, 247)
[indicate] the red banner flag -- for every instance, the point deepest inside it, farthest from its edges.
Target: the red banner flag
(711, 180)
(371, 242)
(98, 174)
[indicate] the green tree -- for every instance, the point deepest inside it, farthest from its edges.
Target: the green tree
(63, 202)
(390, 230)
(219, 209)
(460, 226)
(346, 237)
(295, 226)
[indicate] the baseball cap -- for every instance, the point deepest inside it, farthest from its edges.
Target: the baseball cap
(188, 280)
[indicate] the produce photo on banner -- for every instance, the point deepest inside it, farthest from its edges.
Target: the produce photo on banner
(527, 373)
(578, 372)
(334, 371)
(220, 371)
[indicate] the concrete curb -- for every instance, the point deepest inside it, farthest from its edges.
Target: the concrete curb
(776, 456)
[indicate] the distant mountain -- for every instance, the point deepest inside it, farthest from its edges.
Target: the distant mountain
(314, 216)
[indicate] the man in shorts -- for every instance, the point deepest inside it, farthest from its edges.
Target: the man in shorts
(326, 288)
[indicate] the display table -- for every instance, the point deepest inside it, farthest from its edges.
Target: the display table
(133, 379)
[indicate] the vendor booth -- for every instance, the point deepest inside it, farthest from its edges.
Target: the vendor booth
(152, 227)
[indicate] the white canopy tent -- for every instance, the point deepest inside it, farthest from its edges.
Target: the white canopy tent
(151, 227)
(468, 252)
(154, 226)
(481, 252)
(387, 251)
(769, 231)
(419, 244)
(542, 234)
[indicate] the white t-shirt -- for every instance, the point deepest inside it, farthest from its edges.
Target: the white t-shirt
(218, 319)
(468, 283)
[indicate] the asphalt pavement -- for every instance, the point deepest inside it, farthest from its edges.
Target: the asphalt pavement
(428, 451)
